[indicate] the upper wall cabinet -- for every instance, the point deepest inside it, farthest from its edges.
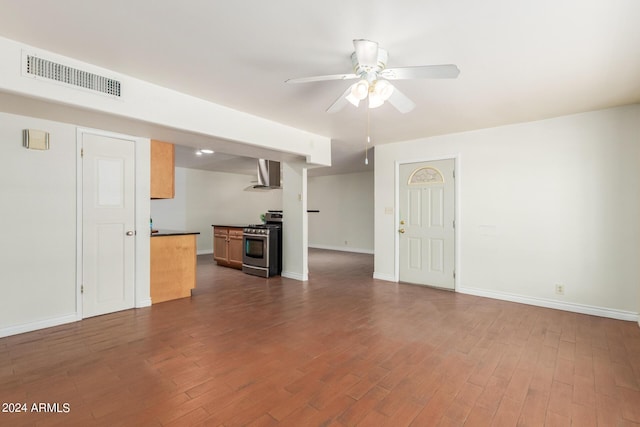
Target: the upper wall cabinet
(162, 170)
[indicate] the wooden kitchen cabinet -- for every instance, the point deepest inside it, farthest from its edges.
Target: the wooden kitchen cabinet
(220, 244)
(162, 170)
(235, 250)
(227, 246)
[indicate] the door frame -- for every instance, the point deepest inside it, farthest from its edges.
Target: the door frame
(456, 213)
(142, 213)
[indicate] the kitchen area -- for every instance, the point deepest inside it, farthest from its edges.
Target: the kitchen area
(243, 222)
(220, 206)
(255, 248)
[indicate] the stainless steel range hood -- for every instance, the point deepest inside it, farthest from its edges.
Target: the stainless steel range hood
(268, 174)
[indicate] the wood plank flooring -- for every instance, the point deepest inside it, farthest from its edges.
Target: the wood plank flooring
(341, 350)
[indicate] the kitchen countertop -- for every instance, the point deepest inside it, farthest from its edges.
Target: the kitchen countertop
(161, 233)
(230, 226)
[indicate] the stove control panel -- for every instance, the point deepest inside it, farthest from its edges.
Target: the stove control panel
(250, 230)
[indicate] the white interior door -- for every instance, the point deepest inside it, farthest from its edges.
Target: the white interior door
(108, 236)
(427, 236)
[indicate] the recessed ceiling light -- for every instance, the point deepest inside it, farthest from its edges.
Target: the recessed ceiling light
(207, 151)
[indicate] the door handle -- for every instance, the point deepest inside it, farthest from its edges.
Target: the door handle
(401, 230)
(130, 233)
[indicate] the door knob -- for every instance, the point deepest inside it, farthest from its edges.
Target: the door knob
(401, 230)
(130, 233)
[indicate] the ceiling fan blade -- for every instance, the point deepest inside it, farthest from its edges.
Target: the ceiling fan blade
(366, 52)
(341, 102)
(444, 71)
(400, 101)
(322, 78)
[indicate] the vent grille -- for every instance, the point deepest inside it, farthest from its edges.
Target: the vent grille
(61, 73)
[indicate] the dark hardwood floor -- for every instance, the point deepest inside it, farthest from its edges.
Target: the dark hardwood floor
(342, 349)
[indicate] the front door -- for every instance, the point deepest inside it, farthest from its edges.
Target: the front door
(426, 243)
(108, 219)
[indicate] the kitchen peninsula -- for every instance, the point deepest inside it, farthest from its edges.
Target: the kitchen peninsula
(173, 264)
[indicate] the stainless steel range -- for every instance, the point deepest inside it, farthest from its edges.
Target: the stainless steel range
(262, 247)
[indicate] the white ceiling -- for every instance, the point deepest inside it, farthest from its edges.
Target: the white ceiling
(519, 61)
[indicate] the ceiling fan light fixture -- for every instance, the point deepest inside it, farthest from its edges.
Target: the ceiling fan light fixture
(353, 100)
(383, 89)
(360, 90)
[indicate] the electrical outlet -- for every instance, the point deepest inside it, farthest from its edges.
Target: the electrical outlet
(560, 289)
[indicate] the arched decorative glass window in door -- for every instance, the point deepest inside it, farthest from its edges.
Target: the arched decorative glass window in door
(425, 175)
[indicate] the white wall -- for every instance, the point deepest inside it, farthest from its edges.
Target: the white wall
(38, 215)
(540, 203)
(345, 221)
(204, 198)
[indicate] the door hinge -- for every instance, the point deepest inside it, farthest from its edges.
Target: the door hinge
(82, 289)
(454, 173)
(454, 274)
(454, 223)
(82, 152)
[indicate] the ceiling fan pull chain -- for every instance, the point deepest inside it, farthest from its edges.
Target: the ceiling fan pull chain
(366, 146)
(368, 126)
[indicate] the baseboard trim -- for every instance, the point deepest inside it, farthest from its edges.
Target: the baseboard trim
(205, 252)
(384, 276)
(558, 305)
(40, 324)
(342, 249)
(295, 276)
(144, 303)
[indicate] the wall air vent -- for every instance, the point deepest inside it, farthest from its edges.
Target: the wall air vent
(39, 67)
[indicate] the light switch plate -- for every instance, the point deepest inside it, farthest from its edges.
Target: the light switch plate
(35, 139)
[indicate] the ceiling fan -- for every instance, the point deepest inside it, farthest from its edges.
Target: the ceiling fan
(369, 66)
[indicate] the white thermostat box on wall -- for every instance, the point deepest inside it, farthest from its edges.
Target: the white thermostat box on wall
(35, 139)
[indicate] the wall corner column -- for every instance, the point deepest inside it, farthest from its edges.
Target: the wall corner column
(295, 235)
